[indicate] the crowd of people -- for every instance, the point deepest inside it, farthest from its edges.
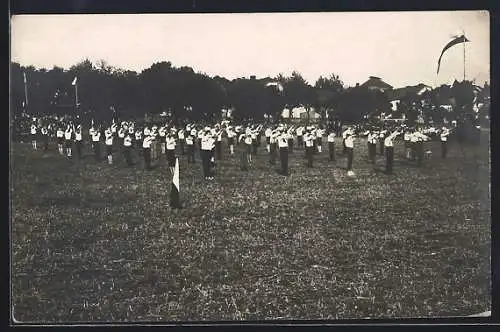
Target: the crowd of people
(155, 140)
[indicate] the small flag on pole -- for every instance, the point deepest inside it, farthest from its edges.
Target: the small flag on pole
(74, 81)
(174, 191)
(24, 75)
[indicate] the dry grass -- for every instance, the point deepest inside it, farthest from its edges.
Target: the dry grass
(93, 242)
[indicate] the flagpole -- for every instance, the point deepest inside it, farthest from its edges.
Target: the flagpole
(464, 52)
(25, 91)
(76, 95)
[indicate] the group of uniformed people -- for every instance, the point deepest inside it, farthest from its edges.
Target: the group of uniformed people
(155, 140)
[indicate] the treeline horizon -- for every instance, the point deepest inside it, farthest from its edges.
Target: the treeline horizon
(105, 91)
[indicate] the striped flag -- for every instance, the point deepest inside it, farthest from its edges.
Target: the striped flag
(74, 81)
(174, 191)
(453, 42)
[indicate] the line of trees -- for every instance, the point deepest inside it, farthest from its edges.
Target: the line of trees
(105, 91)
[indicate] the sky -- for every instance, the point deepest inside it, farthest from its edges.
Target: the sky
(402, 48)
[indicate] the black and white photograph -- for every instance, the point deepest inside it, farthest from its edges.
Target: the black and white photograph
(249, 167)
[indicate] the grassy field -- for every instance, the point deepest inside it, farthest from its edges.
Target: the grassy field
(93, 242)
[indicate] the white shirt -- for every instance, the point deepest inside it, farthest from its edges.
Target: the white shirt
(407, 136)
(444, 136)
(121, 133)
(138, 135)
(96, 136)
(388, 142)
(33, 129)
(319, 133)
(45, 131)
(67, 134)
(372, 138)
(268, 132)
(127, 141)
(181, 134)
(170, 143)
(146, 143)
(331, 137)
(248, 139)
(422, 137)
(60, 133)
(162, 132)
(147, 132)
(200, 135)
(78, 135)
(189, 140)
(230, 134)
(207, 143)
(113, 128)
(109, 139)
(193, 132)
(283, 141)
(308, 139)
(349, 141)
(300, 131)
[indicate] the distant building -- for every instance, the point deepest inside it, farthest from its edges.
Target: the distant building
(401, 93)
(300, 113)
(376, 83)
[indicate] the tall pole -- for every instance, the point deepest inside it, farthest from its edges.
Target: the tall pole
(76, 95)
(25, 91)
(464, 52)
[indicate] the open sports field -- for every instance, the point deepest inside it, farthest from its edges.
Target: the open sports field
(93, 242)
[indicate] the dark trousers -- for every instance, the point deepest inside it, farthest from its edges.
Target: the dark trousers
(272, 155)
(284, 160)
(128, 155)
(218, 150)
(97, 151)
(212, 156)
(300, 141)
(205, 159)
(199, 147)
(331, 150)
(344, 148)
(244, 160)
(389, 155)
(146, 152)
(258, 140)
(181, 144)
(420, 152)
(381, 142)
(190, 153)
(45, 143)
(290, 145)
(254, 147)
(315, 146)
(372, 152)
(444, 148)
(350, 155)
(78, 146)
(310, 154)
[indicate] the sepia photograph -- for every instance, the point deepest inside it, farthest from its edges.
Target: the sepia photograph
(249, 167)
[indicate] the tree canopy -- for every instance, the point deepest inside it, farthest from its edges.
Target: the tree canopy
(105, 91)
